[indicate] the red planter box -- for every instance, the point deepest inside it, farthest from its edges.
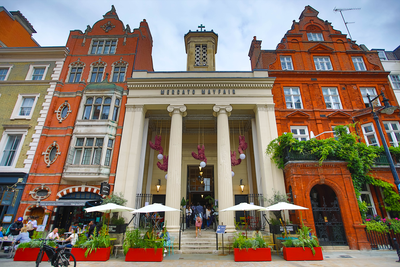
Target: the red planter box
(28, 254)
(101, 254)
(141, 254)
(259, 254)
(298, 254)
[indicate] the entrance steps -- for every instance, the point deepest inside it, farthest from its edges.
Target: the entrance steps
(204, 244)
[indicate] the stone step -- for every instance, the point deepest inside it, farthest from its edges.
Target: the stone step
(335, 247)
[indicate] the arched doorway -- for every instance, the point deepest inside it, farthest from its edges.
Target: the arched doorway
(66, 215)
(327, 216)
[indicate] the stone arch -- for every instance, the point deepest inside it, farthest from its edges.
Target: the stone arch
(79, 188)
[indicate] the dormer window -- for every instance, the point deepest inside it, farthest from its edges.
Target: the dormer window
(200, 55)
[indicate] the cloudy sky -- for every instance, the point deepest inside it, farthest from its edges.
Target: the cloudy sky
(376, 24)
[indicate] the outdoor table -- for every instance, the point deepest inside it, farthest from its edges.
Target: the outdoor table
(5, 243)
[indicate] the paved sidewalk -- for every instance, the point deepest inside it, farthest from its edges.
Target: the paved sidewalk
(346, 258)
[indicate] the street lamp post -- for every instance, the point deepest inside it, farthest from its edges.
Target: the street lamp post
(388, 109)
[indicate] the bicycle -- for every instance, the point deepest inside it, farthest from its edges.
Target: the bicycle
(58, 257)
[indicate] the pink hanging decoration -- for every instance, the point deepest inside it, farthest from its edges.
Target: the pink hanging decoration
(164, 165)
(234, 161)
(200, 156)
(242, 144)
(157, 145)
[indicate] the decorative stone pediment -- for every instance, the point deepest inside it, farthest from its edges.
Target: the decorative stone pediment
(321, 48)
(339, 115)
(298, 115)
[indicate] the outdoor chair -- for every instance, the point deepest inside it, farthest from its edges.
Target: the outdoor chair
(270, 243)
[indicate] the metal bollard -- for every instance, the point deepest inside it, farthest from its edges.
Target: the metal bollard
(396, 246)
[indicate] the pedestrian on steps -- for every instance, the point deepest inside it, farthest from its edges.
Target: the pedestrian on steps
(198, 223)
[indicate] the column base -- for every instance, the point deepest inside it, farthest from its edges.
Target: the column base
(173, 228)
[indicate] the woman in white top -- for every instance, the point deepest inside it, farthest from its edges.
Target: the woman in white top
(73, 238)
(54, 234)
(188, 216)
(208, 216)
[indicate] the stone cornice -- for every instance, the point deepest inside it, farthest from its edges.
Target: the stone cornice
(197, 85)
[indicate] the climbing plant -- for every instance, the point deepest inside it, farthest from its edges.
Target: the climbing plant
(359, 157)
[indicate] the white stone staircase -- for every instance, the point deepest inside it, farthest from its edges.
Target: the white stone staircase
(204, 244)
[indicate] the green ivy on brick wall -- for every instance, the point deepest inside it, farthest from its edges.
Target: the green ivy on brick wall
(346, 147)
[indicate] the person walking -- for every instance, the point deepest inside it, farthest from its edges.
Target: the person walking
(188, 216)
(31, 225)
(199, 221)
(208, 216)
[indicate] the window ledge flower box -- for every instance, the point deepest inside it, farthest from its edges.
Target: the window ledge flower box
(259, 254)
(144, 254)
(298, 254)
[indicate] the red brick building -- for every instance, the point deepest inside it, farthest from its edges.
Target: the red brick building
(80, 142)
(322, 80)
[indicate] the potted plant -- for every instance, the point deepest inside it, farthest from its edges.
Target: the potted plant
(250, 249)
(95, 249)
(29, 251)
(305, 248)
(146, 248)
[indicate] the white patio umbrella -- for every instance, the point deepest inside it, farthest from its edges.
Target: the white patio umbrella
(283, 206)
(108, 208)
(156, 207)
(243, 207)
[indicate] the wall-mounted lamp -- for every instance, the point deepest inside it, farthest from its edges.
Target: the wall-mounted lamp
(201, 173)
(241, 185)
(158, 185)
(202, 196)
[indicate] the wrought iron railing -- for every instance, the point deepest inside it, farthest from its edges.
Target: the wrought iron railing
(297, 156)
(381, 160)
(380, 241)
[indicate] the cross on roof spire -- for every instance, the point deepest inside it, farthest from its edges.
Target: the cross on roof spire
(201, 27)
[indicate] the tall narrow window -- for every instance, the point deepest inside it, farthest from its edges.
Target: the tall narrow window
(395, 81)
(88, 108)
(372, 94)
(26, 106)
(3, 73)
(331, 97)
(365, 195)
(322, 63)
(116, 109)
(392, 132)
(106, 108)
(300, 132)
(358, 63)
(286, 63)
(10, 150)
(97, 74)
(369, 134)
(292, 97)
(75, 74)
(119, 74)
(107, 160)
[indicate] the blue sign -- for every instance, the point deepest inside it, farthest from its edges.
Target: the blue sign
(221, 229)
(7, 198)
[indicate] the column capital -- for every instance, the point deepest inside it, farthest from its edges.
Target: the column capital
(222, 109)
(133, 108)
(175, 109)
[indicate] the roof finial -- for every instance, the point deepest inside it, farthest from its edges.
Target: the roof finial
(201, 27)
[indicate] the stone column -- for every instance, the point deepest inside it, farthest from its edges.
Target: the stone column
(271, 176)
(173, 192)
(225, 190)
(128, 166)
